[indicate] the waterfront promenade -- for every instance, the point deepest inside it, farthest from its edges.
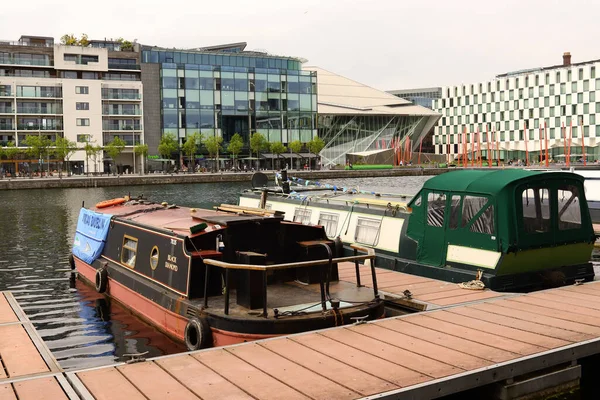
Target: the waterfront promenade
(83, 181)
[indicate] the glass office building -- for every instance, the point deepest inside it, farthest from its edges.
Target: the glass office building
(225, 90)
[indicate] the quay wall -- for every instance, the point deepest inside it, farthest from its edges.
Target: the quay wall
(163, 179)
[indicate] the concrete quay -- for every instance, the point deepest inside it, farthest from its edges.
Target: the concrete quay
(81, 181)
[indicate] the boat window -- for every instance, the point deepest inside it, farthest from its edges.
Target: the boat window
(454, 211)
(536, 210)
(471, 206)
(485, 222)
(436, 205)
(154, 258)
(569, 208)
(302, 215)
(417, 202)
(367, 231)
(129, 251)
(329, 222)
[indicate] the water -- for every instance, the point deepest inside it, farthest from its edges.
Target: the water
(81, 327)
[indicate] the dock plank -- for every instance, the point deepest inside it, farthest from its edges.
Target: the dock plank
(109, 384)
(7, 392)
(16, 346)
(334, 370)
(496, 329)
(201, 380)
(452, 342)
(386, 370)
(468, 296)
(247, 377)
(303, 380)
(563, 303)
(422, 347)
(417, 362)
(553, 309)
(538, 326)
(154, 382)
(474, 335)
(39, 389)
(6, 312)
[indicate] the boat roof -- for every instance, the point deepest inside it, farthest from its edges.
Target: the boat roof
(488, 182)
(176, 219)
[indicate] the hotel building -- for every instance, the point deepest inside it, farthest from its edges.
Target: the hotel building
(517, 106)
(85, 94)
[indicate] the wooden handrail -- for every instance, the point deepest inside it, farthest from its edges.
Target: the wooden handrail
(312, 263)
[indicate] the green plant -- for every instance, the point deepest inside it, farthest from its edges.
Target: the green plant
(190, 146)
(213, 145)
(295, 147)
(83, 41)
(316, 145)
(142, 151)
(37, 147)
(235, 146)
(63, 150)
(258, 143)
(114, 148)
(11, 150)
(277, 148)
(68, 39)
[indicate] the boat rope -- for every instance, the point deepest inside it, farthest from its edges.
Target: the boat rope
(475, 284)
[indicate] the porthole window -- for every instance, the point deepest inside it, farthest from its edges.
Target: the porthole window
(154, 258)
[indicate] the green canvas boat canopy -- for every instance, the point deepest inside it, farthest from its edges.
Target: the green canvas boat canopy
(497, 212)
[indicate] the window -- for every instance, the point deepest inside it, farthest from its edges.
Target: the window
(536, 210)
(83, 122)
(82, 90)
(82, 106)
(83, 138)
(454, 211)
(569, 208)
(484, 223)
(329, 222)
(436, 205)
(302, 215)
(154, 258)
(129, 250)
(367, 231)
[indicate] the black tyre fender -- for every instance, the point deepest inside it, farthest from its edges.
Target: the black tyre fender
(72, 261)
(197, 334)
(101, 280)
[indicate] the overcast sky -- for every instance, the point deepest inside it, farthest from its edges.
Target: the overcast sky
(387, 44)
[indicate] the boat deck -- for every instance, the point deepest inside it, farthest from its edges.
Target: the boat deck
(425, 293)
(28, 369)
(424, 355)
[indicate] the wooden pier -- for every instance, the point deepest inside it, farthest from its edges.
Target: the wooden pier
(466, 340)
(28, 369)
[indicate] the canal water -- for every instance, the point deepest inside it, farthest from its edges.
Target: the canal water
(81, 327)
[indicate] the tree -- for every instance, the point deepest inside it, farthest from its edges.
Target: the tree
(277, 148)
(295, 147)
(316, 145)
(114, 148)
(83, 41)
(168, 145)
(126, 45)
(37, 147)
(235, 146)
(213, 145)
(258, 143)
(11, 150)
(63, 150)
(190, 147)
(90, 151)
(68, 40)
(142, 151)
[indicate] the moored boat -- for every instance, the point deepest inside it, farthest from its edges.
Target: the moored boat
(212, 278)
(519, 229)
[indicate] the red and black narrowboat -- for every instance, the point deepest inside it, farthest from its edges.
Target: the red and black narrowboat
(218, 277)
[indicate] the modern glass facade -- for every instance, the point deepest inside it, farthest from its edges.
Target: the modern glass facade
(223, 94)
(422, 97)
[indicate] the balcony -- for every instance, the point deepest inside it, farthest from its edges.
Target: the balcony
(121, 127)
(121, 96)
(38, 110)
(45, 95)
(6, 110)
(26, 61)
(38, 127)
(7, 127)
(121, 112)
(4, 93)
(129, 67)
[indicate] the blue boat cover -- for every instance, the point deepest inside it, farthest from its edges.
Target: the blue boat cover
(90, 236)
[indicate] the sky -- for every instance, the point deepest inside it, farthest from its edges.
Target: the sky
(386, 44)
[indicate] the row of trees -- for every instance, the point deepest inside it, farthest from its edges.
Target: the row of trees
(213, 144)
(70, 39)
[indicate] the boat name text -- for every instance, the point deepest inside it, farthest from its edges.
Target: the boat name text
(171, 263)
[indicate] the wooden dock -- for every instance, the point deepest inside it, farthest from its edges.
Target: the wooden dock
(426, 355)
(28, 369)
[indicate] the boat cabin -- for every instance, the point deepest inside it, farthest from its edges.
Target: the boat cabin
(504, 222)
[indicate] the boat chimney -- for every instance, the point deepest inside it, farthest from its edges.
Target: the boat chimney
(566, 59)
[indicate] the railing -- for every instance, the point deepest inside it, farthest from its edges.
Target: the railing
(7, 110)
(313, 263)
(6, 127)
(35, 110)
(36, 127)
(122, 96)
(122, 128)
(6, 94)
(15, 43)
(134, 67)
(25, 61)
(121, 112)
